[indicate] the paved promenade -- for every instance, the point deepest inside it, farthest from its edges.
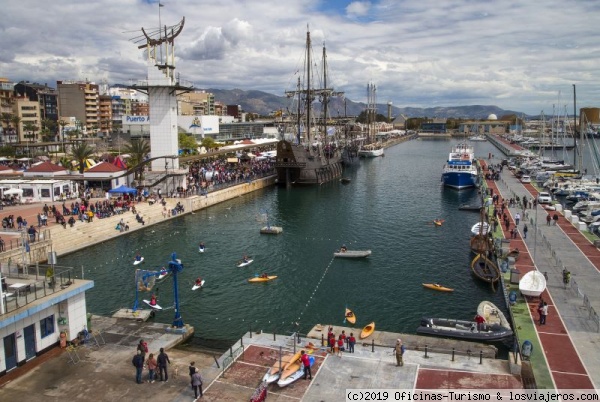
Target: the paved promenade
(570, 339)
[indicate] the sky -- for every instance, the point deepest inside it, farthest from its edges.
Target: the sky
(519, 55)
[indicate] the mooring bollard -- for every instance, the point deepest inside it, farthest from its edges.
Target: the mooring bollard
(274, 335)
(242, 341)
(231, 351)
(481, 357)
(426, 347)
(372, 345)
(322, 340)
(299, 340)
(250, 330)
(453, 354)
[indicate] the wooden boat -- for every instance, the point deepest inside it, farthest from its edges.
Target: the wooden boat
(485, 269)
(481, 244)
(437, 286)
(272, 374)
(492, 314)
(463, 329)
(352, 254)
(350, 317)
(532, 284)
(367, 330)
(262, 279)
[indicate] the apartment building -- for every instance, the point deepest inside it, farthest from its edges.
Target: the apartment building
(7, 96)
(105, 115)
(82, 101)
(28, 112)
(46, 96)
(199, 103)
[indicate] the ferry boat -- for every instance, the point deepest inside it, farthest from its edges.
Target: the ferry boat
(460, 170)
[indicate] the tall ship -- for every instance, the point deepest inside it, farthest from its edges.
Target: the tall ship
(371, 148)
(310, 154)
(460, 170)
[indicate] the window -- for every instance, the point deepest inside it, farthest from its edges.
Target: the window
(47, 326)
(27, 192)
(56, 191)
(46, 192)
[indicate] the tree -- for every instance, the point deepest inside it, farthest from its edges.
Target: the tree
(208, 143)
(138, 150)
(16, 120)
(187, 143)
(30, 129)
(81, 152)
(7, 150)
(48, 129)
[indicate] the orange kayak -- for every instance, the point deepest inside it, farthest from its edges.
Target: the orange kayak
(367, 330)
(437, 286)
(350, 317)
(260, 279)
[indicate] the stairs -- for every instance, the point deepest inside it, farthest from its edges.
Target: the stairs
(83, 234)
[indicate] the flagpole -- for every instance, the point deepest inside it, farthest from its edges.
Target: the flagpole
(160, 28)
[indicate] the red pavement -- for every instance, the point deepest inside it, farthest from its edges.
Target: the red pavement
(447, 379)
(567, 369)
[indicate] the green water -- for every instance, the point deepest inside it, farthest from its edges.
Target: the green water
(388, 207)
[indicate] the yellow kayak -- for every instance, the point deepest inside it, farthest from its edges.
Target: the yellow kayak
(437, 286)
(367, 330)
(438, 222)
(350, 317)
(262, 279)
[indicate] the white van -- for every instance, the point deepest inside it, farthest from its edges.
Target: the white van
(525, 179)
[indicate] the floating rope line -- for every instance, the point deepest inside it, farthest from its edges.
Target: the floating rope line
(297, 323)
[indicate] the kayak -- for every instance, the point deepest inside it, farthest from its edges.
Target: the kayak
(154, 307)
(437, 286)
(243, 264)
(196, 286)
(438, 222)
(350, 317)
(136, 262)
(272, 374)
(162, 275)
(201, 249)
(352, 253)
(259, 279)
(367, 330)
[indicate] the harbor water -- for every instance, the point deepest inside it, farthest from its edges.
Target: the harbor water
(388, 207)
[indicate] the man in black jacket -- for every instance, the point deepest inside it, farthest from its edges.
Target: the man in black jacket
(162, 361)
(138, 363)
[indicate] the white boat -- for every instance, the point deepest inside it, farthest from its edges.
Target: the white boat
(196, 286)
(371, 151)
(479, 229)
(136, 262)
(533, 283)
(201, 249)
(153, 306)
(477, 138)
(296, 375)
(243, 264)
(492, 314)
(352, 254)
(162, 275)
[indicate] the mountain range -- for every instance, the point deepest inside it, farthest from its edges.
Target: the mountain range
(265, 104)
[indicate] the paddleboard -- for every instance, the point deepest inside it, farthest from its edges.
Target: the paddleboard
(243, 264)
(162, 275)
(136, 262)
(201, 249)
(298, 374)
(198, 286)
(155, 307)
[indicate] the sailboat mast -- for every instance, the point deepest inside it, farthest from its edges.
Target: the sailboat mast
(298, 114)
(325, 94)
(575, 130)
(308, 90)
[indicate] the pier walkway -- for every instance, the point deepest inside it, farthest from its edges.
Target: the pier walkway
(569, 340)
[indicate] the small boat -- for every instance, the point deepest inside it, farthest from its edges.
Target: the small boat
(438, 222)
(241, 263)
(437, 286)
(463, 329)
(153, 306)
(481, 244)
(492, 314)
(163, 274)
(367, 330)
(296, 375)
(262, 279)
(352, 253)
(272, 374)
(466, 207)
(460, 170)
(345, 180)
(480, 228)
(136, 262)
(533, 283)
(201, 248)
(196, 286)
(350, 317)
(485, 269)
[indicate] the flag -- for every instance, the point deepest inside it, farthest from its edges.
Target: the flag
(160, 4)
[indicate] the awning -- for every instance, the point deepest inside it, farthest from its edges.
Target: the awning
(232, 160)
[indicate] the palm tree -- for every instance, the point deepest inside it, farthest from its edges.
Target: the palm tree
(30, 128)
(16, 120)
(138, 151)
(81, 152)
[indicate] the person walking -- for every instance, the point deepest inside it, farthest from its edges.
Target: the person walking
(151, 362)
(517, 218)
(306, 365)
(351, 343)
(399, 350)
(196, 382)
(192, 368)
(162, 361)
(543, 314)
(525, 231)
(138, 363)
(548, 219)
(555, 218)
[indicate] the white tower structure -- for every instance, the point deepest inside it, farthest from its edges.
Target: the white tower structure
(162, 87)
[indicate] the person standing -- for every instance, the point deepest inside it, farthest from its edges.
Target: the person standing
(143, 348)
(151, 362)
(162, 361)
(340, 346)
(351, 343)
(555, 218)
(306, 365)
(479, 320)
(196, 382)
(548, 219)
(138, 363)
(192, 368)
(525, 229)
(517, 218)
(543, 314)
(399, 350)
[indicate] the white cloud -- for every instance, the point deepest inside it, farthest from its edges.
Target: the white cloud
(517, 55)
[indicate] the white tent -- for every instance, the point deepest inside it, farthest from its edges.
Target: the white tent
(12, 191)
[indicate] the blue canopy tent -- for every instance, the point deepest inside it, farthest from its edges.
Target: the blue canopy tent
(122, 189)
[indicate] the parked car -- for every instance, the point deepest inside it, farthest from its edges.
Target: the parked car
(525, 179)
(544, 198)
